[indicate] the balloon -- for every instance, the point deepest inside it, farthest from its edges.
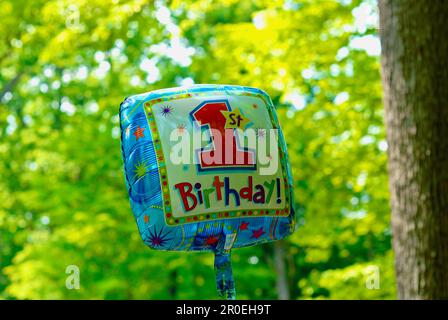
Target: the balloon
(206, 169)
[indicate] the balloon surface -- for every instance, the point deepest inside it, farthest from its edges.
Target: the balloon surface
(206, 169)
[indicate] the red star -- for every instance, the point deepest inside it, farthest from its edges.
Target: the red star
(212, 240)
(146, 218)
(156, 241)
(243, 225)
(138, 133)
(257, 233)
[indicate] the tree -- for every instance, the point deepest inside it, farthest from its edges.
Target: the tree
(415, 79)
(280, 268)
(62, 194)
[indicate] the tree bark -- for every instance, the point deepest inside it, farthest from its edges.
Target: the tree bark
(414, 39)
(172, 289)
(280, 268)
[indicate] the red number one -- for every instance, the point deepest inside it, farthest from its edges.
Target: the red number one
(226, 154)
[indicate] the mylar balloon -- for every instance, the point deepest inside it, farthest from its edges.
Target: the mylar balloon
(206, 169)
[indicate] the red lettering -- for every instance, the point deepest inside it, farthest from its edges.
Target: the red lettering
(185, 189)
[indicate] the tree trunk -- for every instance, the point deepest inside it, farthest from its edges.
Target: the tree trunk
(172, 289)
(414, 38)
(280, 268)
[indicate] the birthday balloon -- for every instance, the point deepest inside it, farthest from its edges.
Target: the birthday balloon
(206, 169)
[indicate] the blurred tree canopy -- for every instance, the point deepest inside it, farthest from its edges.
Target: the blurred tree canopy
(67, 65)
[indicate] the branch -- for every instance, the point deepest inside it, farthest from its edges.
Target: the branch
(10, 85)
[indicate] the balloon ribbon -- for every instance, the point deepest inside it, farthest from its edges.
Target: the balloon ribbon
(224, 277)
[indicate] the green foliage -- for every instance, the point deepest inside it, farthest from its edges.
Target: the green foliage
(66, 66)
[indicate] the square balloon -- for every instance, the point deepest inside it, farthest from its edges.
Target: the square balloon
(206, 169)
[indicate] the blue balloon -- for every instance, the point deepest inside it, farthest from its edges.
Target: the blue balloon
(206, 168)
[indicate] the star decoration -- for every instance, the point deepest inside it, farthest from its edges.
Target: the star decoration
(138, 133)
(146, 218)
(157, 239)
(243, 225)
(140, 169)
(235, 119)
(257, 233)
(211, 240)
(166, 111)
